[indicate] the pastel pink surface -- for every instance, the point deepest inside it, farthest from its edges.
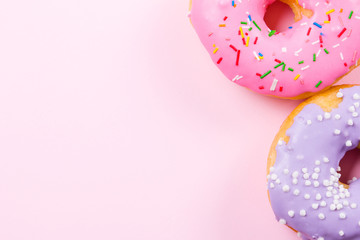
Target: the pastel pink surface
(114, 124)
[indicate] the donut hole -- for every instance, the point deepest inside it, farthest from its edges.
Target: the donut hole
(350, 166)
(279, 16)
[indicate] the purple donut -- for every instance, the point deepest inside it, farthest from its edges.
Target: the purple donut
(303, 184)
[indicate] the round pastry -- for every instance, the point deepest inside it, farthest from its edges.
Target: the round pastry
(303, 167)
(308, 57)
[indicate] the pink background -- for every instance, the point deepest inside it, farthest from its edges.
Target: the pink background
(115, 124)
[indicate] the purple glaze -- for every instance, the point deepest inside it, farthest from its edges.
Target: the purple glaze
(323, 209)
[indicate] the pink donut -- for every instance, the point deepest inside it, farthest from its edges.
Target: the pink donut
(308, 57)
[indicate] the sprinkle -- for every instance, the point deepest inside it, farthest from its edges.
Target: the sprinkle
(256, 56)
(272, 32)
(247, 41)
(250, 29)
(304, 68)
(283, 67)
(249, 17)
(321, 216)
(265, 74)
(237, 58)
(242, 32)
(350, 15)
(354, 56)
(348, 143)
(330, 11)
(336, 45)
(341, 56)
(215, 50)
(314, 57)
(301, 62)
(244, 23)
(308, 32)
(279, 65)
(297, 76)
(225, 18)
(318, 25)
(291, 213)
(262, 87)
(237, 77)
(277, 60)
(318, 84)
(234, 48)
(255, 40)
(341, 233)
(222, 25)
(219, 61)
(282, 221)
(302, 213)
(290, 69)
(325, 50)
(273, 86)
(326, 21)
(257, 26)
(341, 33)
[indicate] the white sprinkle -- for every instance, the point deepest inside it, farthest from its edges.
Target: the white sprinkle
(295, 174)
(308, 122)
(298, 51)
(318, 196)
(344, 39)
(298, 234)
(286, 188)
(342, 215)
(307, 196)
(357, 104)
(316, 184)
(350, 122)
(295, 181)
(341, 56)
(327, 115)
(328, 194)
(337, 116)
(320, 238)
(284, 49)
(337, 132)
(316, 42)
(286, 171)
(326, 183)
(291, 213)
(307, 183)
(348, 143)
(304, 170)
(351, 109)
(355, 114)
(318, 53)
(335, 46)
(332, 207)
(339, 95)
(317, 162)
(306, 175)
(272, 185)
(356, 96)
(282, 221)
(315, 206)
(319, 118)
(341, 233)
(321, 216)
(302, 213)
(273, 176)
(273, 85)
(353, 205)
(339, 206)
(326, 160)
(272, 169)
(296, 192)
(278, 181)
(323, 204)
(303, 24)
(256, 56)
(304, 68)
(237, 77)
(314, 176)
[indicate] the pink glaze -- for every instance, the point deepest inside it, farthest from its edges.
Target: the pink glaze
(217, 22)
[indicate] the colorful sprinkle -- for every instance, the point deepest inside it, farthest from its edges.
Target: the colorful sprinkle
(325, 50)
(272, 32)
(257, 26)
(317, 24)
(318, 84)
(265, 74)
(341, 33)
(297, 77)
(351, 13)
(219, 61)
